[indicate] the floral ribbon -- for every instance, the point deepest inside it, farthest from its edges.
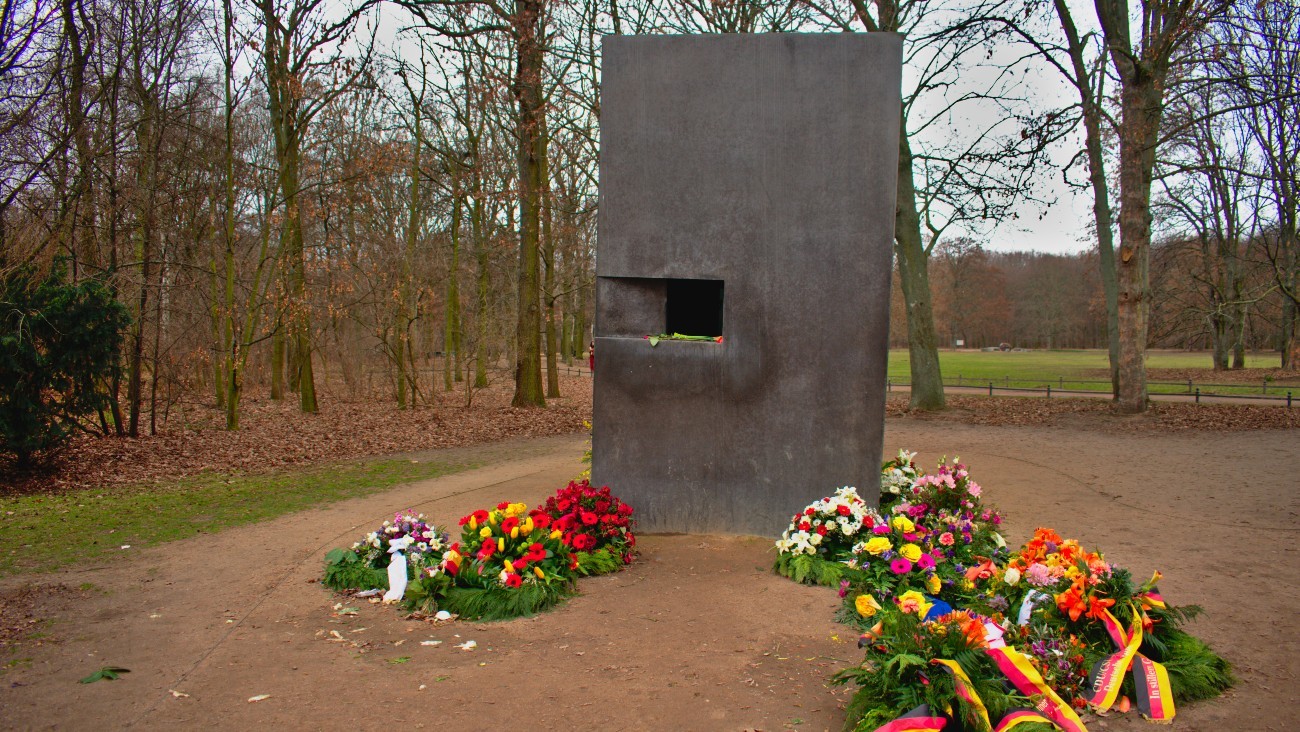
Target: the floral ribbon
(920, 719)
(1022, 674)
(1155, 699)
(964, 688)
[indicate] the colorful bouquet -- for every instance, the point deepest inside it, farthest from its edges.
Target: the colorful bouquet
(363, 566)
(956, 626)
(821, 537)
(595, 525)
(509, 562)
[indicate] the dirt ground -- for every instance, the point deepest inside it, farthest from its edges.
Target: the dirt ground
(698, 635)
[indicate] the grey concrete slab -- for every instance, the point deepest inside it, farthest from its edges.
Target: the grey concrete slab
(767, 162)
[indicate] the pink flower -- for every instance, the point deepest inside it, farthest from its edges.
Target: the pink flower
(881, 529)
(974, 489)
(946, 538)
(901, 565)
(925, 562)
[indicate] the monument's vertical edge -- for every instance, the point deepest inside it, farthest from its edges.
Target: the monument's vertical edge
(764, 165)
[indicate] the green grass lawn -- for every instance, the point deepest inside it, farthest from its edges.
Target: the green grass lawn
(42, 533)
(1071, 369)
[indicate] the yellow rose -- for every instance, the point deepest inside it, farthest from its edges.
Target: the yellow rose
(914, 602)
(485, 532)
(911, 552)
(933, 584)
(903, 524)
(878, 545)
(866, 605)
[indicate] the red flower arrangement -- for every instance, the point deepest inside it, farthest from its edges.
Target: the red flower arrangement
(592, 520)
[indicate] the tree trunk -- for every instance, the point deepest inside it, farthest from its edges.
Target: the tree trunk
(1142, 110)
(528, 94)
(913, 270)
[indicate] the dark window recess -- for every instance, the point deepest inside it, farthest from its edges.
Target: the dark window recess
(694, 307)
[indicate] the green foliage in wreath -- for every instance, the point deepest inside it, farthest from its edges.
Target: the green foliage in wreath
(601, 561)
(810, 569)
(344, 570)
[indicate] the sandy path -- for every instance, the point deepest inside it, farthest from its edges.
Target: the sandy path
(698, 635)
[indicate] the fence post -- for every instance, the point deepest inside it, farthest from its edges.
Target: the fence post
(1007, 381)
(1288, 400)
(1198, 395)
(990, 388)
(1049, 391)
(1189, 386)
(1062, 384)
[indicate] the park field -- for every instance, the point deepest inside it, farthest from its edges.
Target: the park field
(1169, 371)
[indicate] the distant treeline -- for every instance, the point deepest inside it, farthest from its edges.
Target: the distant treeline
(1031, 299)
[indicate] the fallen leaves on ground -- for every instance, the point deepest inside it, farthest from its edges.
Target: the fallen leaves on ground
(998, 411)
(276, 435)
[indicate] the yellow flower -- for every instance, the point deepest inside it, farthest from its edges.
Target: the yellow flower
(473, 523)
(501, 544)
(510, 567)
(527, 526)
(967, 585)
(514, 533)
(933, 584)
(538, 571)
(556, 534)
(903, 524)
(492, 517)
(866, 605)
(914, 602)
(878, 545)
(485, 532)
(911, 552)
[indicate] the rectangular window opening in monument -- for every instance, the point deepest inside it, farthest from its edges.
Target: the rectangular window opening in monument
(694, 307)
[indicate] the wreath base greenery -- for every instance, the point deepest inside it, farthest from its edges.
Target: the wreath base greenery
(601, 561)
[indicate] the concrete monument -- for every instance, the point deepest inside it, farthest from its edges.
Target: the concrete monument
(747, 193)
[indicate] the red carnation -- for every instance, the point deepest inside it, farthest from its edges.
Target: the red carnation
(843, 510)
(625, 509)
(821, 530)
(602, 506)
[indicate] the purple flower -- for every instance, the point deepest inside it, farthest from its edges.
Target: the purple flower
(901, 565)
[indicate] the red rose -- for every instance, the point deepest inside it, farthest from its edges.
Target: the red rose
(625, 509)
(589, 518)
(602, 506)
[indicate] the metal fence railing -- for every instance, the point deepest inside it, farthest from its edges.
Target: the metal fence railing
(1195, 392)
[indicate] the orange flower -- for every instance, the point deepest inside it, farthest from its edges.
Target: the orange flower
(1097, 605)
(1073, 601)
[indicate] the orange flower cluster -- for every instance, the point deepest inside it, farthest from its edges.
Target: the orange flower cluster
(971, 627)
(1077, 601)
